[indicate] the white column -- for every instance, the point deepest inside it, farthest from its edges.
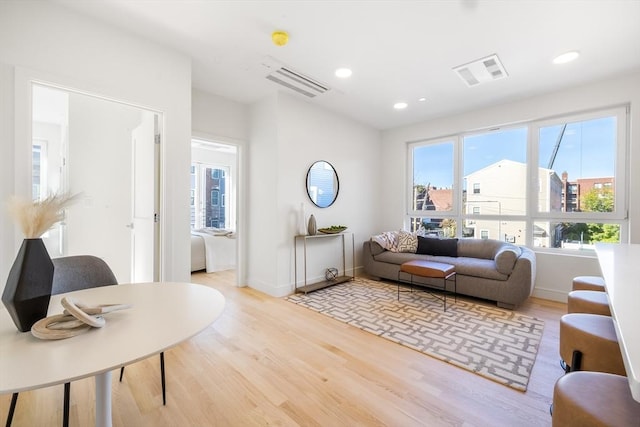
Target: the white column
(103, 399)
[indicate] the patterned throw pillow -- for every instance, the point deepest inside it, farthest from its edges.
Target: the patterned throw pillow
(407, 242)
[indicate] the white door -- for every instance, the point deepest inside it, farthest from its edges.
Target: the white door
(97, 161)
(144, 195)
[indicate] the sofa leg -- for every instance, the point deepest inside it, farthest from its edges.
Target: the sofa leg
(506, 305)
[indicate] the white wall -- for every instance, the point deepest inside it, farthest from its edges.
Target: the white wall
(45, 41)
(7, 238)
(262, 204)
(554, 272)
(288, 135)
(218, 117)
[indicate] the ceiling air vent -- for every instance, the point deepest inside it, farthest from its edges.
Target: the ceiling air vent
(481, 71)
(296, 81)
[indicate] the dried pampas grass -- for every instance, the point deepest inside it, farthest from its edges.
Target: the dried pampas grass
(35, 218)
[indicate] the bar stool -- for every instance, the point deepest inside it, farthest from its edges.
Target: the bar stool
(588, 342)
(592, 302)
(588, 283)
(593, 399)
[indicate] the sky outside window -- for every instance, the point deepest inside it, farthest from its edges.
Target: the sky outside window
(587, 149)
(433, 164)
(486, 149)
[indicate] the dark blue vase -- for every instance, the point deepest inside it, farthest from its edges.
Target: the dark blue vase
(28, 288)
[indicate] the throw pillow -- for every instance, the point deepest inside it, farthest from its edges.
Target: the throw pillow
(506, 259)
(437, 247)
(407, 242)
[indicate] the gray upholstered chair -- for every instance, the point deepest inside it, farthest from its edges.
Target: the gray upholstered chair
(71, 274)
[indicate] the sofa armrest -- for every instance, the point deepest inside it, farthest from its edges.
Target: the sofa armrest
(506, 258)
(525, 270)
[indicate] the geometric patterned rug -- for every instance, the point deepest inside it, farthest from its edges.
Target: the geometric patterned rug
(496, 343)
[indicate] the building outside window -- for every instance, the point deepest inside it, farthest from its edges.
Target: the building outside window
(208, 187)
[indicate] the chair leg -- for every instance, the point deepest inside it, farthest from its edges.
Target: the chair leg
(563, 365)
(162, 379)
(65, 409)
(576, 360)
(12, 408)
(164, 393)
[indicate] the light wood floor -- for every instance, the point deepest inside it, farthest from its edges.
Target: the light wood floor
(270, 362)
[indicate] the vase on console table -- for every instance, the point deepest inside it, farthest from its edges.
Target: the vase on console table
(28, 290)
(312, 228)
(302, 221)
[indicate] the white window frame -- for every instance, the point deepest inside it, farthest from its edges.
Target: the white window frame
(532, 215)
(620, 172)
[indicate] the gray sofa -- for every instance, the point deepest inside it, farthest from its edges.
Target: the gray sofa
(488, 269)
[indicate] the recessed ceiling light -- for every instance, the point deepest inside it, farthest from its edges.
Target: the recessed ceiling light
(566, 57)
(422, 99)
(343, 73)
(400, 105)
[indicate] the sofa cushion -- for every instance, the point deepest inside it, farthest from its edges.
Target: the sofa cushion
(437, 247)
(506, 258)
(398, 257)
(479, 248)
(476, 267)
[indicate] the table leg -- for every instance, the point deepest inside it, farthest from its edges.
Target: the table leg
(103, 399)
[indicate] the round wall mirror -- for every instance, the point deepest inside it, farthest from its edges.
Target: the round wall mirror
(322, 184)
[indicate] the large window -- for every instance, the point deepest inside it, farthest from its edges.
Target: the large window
(555, 183)
(580, 171)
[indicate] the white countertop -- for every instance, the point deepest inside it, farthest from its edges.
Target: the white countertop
(620, 265)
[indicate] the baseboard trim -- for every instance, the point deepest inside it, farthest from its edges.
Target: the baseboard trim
(550, 294)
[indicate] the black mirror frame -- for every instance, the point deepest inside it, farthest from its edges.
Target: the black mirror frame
(337, 180)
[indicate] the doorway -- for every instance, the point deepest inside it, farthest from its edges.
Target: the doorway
(105, 151)
(214, 213)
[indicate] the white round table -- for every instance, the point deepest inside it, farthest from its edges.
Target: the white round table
(162, 315)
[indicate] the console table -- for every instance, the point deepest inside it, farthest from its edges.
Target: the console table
(309, 287)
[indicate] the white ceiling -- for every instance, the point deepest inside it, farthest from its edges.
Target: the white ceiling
(398, 50)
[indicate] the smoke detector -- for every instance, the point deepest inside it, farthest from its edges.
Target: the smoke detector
(482, 70)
